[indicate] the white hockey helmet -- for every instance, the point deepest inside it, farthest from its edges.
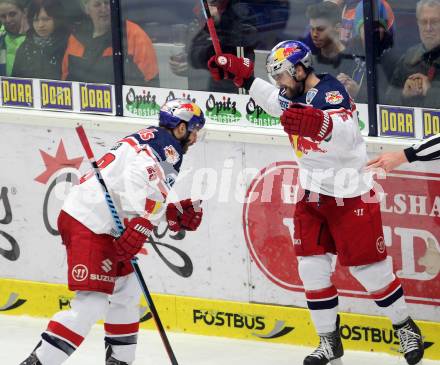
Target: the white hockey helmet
(285, 56)
(176, 111)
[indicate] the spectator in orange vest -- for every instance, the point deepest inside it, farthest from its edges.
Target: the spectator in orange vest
(89, 51)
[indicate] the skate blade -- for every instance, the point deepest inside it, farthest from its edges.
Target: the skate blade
(337, 362)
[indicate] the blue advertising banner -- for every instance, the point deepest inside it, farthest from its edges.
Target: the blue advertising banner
(397, 121)
(56, 95)
(431, 122)
(17, 92)
(96, 98)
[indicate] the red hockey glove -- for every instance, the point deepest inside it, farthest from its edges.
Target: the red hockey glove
(241, 68)
(306, 121)
(215, 70)
(137, 231)
(187, 218)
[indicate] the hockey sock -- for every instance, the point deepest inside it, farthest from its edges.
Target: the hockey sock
(384, 288)
(323, 306)
(392, 302)
(58, 343)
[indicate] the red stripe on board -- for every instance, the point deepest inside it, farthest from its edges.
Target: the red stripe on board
(62, 331)
(387, 291)
(121, 329)
(322, 294)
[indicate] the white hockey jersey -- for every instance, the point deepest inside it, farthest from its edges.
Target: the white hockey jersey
(134, 170)
(335, 166)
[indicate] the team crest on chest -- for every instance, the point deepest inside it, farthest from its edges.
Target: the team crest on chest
(333, 97)
(311, 95)
(171, 155)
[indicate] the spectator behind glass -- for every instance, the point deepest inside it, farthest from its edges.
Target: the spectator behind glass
(233, 31)
(41, 54)
(354, 78)
(88, 56)
(12, 33)
(416, 79)
(349, 8)
(348, 16)
(325, 23)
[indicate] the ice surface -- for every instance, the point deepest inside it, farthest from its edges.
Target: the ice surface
(19, 335)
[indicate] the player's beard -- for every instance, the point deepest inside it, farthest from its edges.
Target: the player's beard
(296, 90)
(185, 147)
(185, 143)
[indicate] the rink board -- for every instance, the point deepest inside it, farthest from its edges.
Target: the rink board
(244, 250)
(269, 323)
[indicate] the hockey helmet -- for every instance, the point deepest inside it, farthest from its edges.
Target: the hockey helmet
(176, 111)
(285, 56)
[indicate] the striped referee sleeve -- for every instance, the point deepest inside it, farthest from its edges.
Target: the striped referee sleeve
(427, 150)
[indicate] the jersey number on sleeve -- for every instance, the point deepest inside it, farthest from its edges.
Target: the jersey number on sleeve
(102, 163)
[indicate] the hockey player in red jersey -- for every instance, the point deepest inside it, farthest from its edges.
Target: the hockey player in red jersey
(99, 269)
(338, 214)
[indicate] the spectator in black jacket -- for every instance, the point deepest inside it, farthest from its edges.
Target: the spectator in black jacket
(416, 79)
(325, 26)
(233, 31)
(41, 54)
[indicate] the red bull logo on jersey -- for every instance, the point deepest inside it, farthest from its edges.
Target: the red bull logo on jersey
(302, 146)
(305, 145)
(333, 97)
(171, 155)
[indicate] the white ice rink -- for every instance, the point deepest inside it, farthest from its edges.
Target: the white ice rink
(18, 336)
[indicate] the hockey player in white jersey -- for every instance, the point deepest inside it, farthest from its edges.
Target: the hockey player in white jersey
(99, 269)
(338, 213)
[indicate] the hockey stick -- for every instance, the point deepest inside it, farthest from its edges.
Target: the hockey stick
(214, 36)
(86, 145)
(211, 27)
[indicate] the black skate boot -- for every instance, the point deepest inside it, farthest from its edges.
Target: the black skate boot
(330, 349)
(411, 341)
(109, 359)
(31, 360)
(112, 361)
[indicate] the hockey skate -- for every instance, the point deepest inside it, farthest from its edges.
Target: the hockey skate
(112, 361)
(330, 349)
(31, 360)
(411, 341)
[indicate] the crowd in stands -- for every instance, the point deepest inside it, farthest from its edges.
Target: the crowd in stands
(40, 39)
(72, 40)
